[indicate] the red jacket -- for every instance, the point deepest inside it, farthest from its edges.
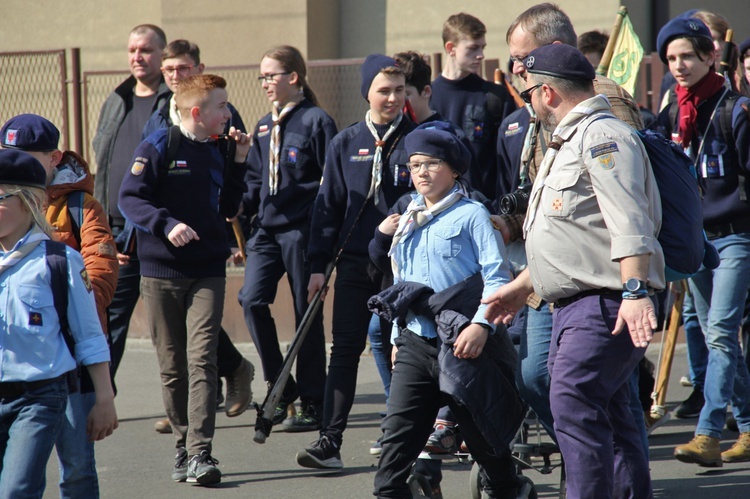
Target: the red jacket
(97, 245)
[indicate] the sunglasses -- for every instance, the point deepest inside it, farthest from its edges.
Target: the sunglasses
(526, 94)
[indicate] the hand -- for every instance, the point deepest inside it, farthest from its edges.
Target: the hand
(316, 283)
(394, 350)
(470, 342)
(236, 256)
(505, 303)
(499, 224)
(182, 234)
(639, 317)
(244, 141)
(102, 419)
(390, 224)
(122, 258)
(239, 212)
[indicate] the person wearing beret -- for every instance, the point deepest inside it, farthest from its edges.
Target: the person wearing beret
(443, 238)
(723, 162)
(745, 58)
(364, 175)
(593, 217)
(35, 356)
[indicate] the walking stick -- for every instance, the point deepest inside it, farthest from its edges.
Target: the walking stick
(609, 50)
(240, 237)
(666, 353)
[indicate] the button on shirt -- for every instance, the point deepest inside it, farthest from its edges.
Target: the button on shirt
(456, 244)
(32, 347)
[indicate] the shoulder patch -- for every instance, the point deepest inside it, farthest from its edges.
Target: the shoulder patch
(85, 279)
(605, 148)
(106, 249)
(139, 165)
(607, 161)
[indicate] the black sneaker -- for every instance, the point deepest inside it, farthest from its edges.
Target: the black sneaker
(288, 397)
(691, 406)
(323, 454)
(309, 418)
(202, 469)
(179, 474)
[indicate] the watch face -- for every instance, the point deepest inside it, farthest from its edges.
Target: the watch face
(632, 285)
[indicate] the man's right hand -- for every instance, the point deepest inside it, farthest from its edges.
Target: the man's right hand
(122, 258)
(316, 282)
(182, 234)
(505, 303)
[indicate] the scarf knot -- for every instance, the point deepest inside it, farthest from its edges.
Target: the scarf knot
(377, 158)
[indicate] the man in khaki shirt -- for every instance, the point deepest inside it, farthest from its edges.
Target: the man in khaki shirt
(591, 227)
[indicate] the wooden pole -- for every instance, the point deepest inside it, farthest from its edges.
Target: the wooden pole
(240, 238)
(500, 79)
(666, 354)
(607, 57)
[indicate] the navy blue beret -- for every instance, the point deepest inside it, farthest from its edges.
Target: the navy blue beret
(439, 144)
(445, 126)
(373, 65)
(561, 61)
(744, 47)
(680, 27)
(30, 132)
(20, 168)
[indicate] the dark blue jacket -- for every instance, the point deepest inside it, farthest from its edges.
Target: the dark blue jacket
(477, 107)
(725, 198)
(510, 139)
(306, 133)
(344, 187)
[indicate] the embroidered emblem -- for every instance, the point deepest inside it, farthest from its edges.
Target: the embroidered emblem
(514, 131)
(479, 129)
(605, 148)
(263, 128)
(85, 279)
(513, 126)
(104, 249)
(35, 319)
(137, 168)
(607, 161)
(530, 62)
(180, 163)
(557, 204)
(11, 136)
(292, 155)
(692, 25)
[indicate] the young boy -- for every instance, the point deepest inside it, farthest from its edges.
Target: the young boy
(462, 97)
(179, 210)
(418, 90)
(80, 222)
(365, 173)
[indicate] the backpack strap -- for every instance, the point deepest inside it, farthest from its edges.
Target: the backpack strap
(57, 262)
(725, 118)
(75, 212)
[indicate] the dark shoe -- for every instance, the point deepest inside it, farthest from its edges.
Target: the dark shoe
(179, 474)
(691, 407)
(219, 394)
(309, 418)
(732, 423)
(377, 447)
(283, 411)
(702, 450)
(163, 426)
(202, 469)
(323, 454)
(239, 391)
(740, 451)
(442, 440)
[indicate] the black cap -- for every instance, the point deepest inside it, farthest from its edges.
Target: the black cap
(374, 64)
(560, 61)
(30, 132)
(20, 168)
(680, 27)
(439, 144)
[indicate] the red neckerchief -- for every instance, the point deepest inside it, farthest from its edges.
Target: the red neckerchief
(688, 100)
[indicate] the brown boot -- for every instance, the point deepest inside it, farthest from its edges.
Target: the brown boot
(702, 450)
(163, 426)
(740, 451)
(239, 391)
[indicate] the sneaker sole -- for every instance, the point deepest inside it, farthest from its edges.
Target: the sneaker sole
(693, 459)
(689, 415)
(300, 429)
(209, 478)
(179, 478)
(307, 461)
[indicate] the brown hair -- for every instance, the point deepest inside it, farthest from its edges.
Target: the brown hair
(179, 48)
(292, 61)
(161, 37)
(193, 90)
(416, 70)
(546, 23)
(462, 25)
(717, 23)
(33, 199)
(593, 41)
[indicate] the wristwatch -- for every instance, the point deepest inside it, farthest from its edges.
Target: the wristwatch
(634, 289)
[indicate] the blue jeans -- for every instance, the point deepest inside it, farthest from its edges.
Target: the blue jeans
(381, 352)
(719, 300)
(75, 453)
(696, 343)
(29, 425)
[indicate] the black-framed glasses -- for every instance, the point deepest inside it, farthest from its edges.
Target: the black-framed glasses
(526, 94)
(6, 196)
(432, 165)
(269, 78)
(181, 70)
(517, 60)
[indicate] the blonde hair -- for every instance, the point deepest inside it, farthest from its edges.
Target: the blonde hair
(33, 198)
(193, 90)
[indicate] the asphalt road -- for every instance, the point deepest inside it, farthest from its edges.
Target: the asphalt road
(136, 462)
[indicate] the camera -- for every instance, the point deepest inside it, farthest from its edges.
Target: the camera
(516, 202)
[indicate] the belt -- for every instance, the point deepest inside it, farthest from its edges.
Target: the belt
(723, 230)
(564, 302)
(18, 388)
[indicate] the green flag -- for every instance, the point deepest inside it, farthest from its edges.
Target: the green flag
(626, 57)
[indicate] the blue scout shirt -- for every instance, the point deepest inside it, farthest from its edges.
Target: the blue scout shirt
(32, 347)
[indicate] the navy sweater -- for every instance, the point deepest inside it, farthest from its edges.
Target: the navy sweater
(510, 139)
(725, 198)
(306, 133)
(344, 188)
(477, 107)
(193, 190)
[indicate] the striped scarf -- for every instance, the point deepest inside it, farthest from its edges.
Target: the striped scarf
(377, 159)
(22, 248)
(278, 115)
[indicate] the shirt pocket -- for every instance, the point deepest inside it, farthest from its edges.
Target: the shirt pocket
(447, 241)
(476, 125)
(712, 160)
(295, 151)
(35, 310)
(560, 197)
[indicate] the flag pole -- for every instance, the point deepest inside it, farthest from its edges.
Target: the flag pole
(607, 57)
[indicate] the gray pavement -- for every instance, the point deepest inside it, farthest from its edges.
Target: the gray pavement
(136, 462)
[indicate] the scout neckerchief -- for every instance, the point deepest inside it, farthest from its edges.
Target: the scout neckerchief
(564, 131)
(377, 159)
(688, 100)
(174, 113)
(417, 215)
(22, 248)
(278, 115)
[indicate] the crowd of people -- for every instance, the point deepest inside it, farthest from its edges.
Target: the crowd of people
(457, 221)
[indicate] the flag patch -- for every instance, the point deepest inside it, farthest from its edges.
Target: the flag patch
(180, 163)
(606, 148)
(35, 319)
(363, 152)
(11, 137)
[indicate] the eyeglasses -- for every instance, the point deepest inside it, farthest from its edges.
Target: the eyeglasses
(3, 197)
(517, 60)
(526, 94)
(430, 166)
(269, 78)
(181, 70)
